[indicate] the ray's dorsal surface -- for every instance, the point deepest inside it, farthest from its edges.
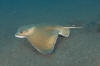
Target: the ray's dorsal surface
(43, 38)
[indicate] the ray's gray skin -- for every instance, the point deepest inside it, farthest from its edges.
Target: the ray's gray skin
(43, 37)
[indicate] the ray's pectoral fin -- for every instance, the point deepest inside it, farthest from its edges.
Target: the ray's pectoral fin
(50, 44)
(46, 45)
(48, 51)
(65, 32)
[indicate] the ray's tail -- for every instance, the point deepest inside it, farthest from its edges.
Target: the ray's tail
(73, 27)
(65, 31)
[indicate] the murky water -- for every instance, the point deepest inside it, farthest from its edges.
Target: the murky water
(82, 48)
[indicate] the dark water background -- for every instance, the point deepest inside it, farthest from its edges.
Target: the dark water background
(82, 48)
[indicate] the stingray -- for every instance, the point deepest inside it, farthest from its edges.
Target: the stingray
(43, 38)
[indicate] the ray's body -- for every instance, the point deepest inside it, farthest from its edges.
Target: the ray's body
(43, 38)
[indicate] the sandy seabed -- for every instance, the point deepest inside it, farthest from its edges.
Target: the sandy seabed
(82, 48)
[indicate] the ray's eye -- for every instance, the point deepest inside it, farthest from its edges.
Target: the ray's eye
(21, 32)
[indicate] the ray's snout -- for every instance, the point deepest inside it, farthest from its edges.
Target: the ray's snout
(18, 36)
